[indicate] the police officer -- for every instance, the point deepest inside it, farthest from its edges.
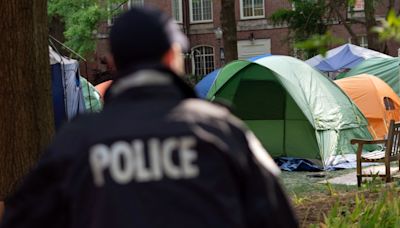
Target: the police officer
(155, 156)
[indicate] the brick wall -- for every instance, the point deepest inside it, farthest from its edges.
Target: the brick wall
(203, 33)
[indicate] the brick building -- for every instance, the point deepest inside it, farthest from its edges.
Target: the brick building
(200, 20)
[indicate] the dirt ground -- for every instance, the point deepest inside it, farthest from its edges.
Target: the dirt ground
(313, 211)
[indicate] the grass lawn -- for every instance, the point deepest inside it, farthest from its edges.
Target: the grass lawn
(305, 184)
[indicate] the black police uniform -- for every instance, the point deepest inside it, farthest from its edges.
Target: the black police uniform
(155, 157)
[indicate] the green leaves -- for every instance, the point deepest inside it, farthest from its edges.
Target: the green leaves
(80, 28)
(319, 43)
(390, 28)
(380, 212)
(305, 20)
(82, 18)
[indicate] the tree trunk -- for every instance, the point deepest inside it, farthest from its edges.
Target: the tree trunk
(228, 24)
(26, 118)
(56, 30)
(370, 22)
(338, 7)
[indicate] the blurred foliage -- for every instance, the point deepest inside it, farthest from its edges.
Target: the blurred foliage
(81, 19)
(318, 44)
(305, 19)
(390, 27)
(308, 22)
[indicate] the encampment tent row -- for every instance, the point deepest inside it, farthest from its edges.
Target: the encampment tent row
(293, 109)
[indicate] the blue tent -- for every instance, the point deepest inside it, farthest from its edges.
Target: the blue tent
(253, 59)
(67, 93)
(343, 57)
(204, 85)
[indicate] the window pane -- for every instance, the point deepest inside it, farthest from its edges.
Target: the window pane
(136, 2)
(203, 60)
(247, 8)
(196, 10)
(258, 8)
(201, 10)
(207, 10)
(251, 8)
(176, 10)
(359, 5)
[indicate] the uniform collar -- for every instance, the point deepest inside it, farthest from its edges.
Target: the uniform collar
(145, 80)
(139, 79)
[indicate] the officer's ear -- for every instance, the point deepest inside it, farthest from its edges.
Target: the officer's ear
(173, 59)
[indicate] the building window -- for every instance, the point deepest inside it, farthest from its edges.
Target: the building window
(135, 3)
(250, 9)
(177, 10)
(200, 11)
(358, 5)
(356, 10)
(114, 9)
(202, 60)
(362, 41)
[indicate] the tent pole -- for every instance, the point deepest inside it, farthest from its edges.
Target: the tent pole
(284, 123)
(86, 67)
(68, 48)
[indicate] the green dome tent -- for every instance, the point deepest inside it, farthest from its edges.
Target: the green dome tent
(293, 109)
(386, 69)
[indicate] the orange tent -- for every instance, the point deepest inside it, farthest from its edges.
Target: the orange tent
(376, 100)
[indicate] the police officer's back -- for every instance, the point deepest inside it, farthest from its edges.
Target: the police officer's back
(155, 156)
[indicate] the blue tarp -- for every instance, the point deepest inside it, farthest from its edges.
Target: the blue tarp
(347, 161)
(68, 98)
(205, 84)
(343, 57)
(57, 89)
(296, 164)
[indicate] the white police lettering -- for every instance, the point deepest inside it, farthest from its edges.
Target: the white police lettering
(187, 157)
(121, 153)
(127, 162)
(171, 170)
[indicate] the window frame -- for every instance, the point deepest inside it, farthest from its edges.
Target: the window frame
(359, 9)
(180, 11)
(203, 56)
(200, 21)
(363, 40)
(242, 17)
(130, 3)
(110, 8)
(353, 12)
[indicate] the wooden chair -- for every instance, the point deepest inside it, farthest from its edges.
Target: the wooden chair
(391, 152)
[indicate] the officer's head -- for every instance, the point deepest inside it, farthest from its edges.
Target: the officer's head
(145, 37)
